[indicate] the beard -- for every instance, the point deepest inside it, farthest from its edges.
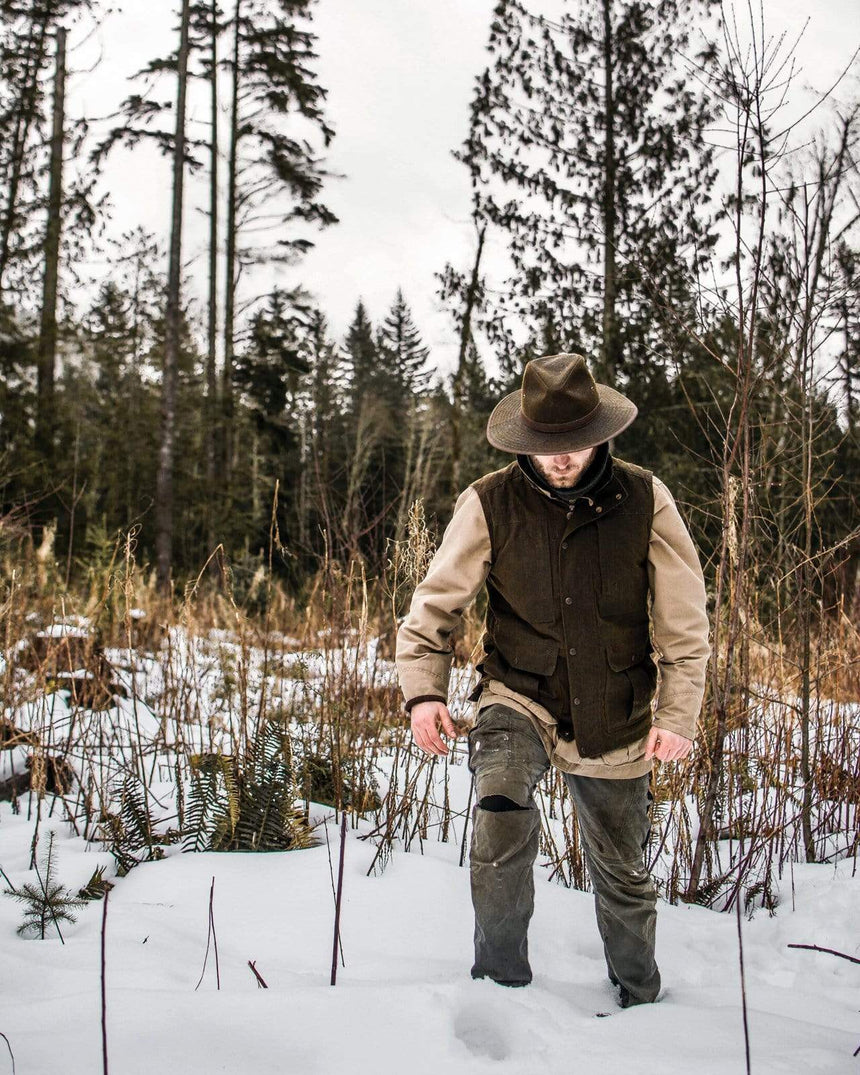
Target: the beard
(563, 477)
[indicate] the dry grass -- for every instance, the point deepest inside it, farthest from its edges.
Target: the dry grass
(226, 671)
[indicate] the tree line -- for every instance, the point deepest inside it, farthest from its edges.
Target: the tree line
(642, 192)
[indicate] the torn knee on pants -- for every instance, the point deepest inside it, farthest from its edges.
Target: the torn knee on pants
(504, 790)
(499, 803)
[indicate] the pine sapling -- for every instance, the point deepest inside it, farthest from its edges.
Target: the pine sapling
(47, 902)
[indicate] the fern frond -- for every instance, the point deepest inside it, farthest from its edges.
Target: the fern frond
(97, 886)
(246, 803)
(212, 811)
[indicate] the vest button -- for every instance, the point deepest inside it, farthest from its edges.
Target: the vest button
(568, 600)
(576, 701)
(598, 509)
(564, 544)
(570, 515)
(618, 496)
(572, 651)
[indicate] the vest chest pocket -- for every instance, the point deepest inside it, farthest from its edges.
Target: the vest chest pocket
(524, 571)
(622, 559)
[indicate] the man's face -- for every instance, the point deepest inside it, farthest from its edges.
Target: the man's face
(562, 471)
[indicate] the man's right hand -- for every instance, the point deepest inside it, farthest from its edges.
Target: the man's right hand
(426, 719)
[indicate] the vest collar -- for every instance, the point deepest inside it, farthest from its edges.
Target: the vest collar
(597, 476)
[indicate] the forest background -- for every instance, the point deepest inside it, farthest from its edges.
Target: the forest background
(171, 387)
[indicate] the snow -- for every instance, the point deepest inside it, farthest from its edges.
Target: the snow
(76, 627)
(404, 999)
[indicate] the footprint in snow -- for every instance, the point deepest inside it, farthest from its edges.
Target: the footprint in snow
(481, 1033)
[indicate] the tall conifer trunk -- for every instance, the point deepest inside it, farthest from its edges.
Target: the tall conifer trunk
(230, 268)
(173, 317)
(48, 329)
(211, 354)
(460, 375)
(609, 344)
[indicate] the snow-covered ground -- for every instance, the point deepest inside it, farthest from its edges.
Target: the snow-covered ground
(404, 1001)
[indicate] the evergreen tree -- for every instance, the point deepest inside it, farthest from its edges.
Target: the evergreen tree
(361, 358)
(366, 425)
(46, 903)
(46, 221)
(477, 396)
(274, 177)
(589, 123)
(108, 421)
(388, 431)
(324, 444)
(267, 380)
(28, 36)
(267, 371)
(115, 396)
(120, 411)
(403, 357)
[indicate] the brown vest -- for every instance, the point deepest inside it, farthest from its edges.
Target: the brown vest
(567, 620)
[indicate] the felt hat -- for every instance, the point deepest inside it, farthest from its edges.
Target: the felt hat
(560, 408)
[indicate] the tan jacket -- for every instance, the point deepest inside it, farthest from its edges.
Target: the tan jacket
(679, 630)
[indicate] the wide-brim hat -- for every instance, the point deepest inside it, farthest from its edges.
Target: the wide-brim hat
(560, 408)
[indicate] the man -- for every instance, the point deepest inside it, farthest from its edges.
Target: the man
(578, 549)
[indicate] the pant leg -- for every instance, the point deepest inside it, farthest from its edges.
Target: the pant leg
(614, 824)
(507, 758)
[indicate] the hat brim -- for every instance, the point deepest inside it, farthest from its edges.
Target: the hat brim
(507, 431)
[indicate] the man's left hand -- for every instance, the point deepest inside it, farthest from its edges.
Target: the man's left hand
(666, 745)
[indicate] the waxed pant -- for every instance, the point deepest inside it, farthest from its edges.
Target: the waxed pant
(507, 759)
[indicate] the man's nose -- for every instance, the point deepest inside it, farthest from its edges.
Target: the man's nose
(561, 460)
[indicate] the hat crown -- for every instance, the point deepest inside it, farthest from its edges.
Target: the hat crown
(559, 393)
(560, 408)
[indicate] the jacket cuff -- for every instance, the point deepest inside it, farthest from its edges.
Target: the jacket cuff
(424, 698)
(674, 719)
(423, 678)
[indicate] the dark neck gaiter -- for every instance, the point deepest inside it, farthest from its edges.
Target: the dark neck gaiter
(596, 473)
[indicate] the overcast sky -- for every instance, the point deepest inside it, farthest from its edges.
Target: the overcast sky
(399, 77)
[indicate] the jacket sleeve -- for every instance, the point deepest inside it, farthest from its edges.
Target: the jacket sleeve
(455, 576)
(679, 617)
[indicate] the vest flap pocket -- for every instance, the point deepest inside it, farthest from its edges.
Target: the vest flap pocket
(624, 649)
(536, 655)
